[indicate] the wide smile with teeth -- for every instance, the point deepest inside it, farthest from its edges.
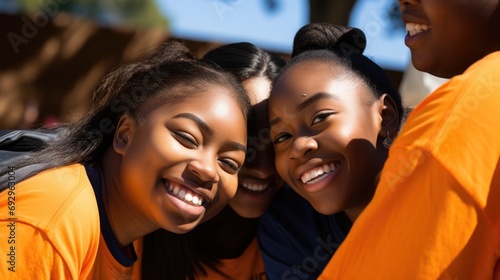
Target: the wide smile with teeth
(415, 28)
(318, 173)
(186, 195)
(256, 187)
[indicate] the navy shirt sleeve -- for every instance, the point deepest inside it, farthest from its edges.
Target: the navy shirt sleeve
(296, 241)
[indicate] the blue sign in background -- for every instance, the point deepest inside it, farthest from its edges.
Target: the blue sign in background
(273, 26)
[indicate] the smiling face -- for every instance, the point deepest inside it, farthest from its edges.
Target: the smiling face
(258, 179)
(180, 163)
(447, 36)
(324, 125)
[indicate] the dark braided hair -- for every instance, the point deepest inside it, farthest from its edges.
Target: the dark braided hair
(344, 47)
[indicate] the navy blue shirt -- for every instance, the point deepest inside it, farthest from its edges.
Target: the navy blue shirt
(296, 241)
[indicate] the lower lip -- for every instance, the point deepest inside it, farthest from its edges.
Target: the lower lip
(189, 210)
(318, 186)
(411, 41)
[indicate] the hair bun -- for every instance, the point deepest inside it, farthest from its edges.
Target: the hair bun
(317, 36)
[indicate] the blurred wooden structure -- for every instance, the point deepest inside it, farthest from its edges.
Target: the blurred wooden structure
(49, 65)
(49, 68)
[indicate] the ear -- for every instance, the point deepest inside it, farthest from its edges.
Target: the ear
(390, 116)
(123, 134)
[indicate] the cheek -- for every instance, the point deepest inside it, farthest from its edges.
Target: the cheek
(142, 163)
(136, 186)
(367, 125)
(228, 188)
(138, 167)
(282, 168)
(339, 134)
(157, 149)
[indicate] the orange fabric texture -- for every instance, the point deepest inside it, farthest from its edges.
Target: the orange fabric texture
(52, 232)
(249, 266)
(436, 211)
(107, 267)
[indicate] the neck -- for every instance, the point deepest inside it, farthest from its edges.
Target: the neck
(353, 213)
(127, 225)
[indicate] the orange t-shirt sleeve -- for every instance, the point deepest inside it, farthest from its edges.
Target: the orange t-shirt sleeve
(34, 257)
(436, 211)
(407, 244)
(53, 229)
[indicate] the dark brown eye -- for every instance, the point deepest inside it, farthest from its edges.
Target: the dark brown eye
(281, 137)
(230, 165)
(321, 117)
(186, 139)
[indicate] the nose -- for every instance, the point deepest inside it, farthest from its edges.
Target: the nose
(205, 168)
(302, 146)
(261, 167)
(405, 3)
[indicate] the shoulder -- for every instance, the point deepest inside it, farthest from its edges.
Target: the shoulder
(491, 60)
(62, 193)
(466, 104)
(58, 208)
(457, 126)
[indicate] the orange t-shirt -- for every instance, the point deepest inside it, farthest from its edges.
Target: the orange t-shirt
(50, 230)
(436, 211)
(106, 266)
(248, 266)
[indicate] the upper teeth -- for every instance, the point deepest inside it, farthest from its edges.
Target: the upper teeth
(255, 186)
(186, 195)
(317, 172)
(415, 28)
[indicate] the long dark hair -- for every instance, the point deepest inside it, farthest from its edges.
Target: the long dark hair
(168, 255)
(343, 46)
(245, 61)
(170, 74)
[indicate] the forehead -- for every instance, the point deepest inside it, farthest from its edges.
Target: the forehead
(311, 73)
(214, 100)
(258, 89)
(308, 78)
(180, 93)
(214, 107)
(209, 100)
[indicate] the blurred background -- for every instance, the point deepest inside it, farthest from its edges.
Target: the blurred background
(54, 52)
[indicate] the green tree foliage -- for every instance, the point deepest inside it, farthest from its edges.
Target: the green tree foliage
(136, 13)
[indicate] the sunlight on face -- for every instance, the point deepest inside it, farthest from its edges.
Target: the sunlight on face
(180, 164)
(324, 126)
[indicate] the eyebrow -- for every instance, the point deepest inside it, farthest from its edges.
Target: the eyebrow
(237, 146)
(307, 102)
(204, 126)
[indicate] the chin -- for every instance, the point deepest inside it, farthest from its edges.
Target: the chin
(325, 207)
(426, 65)
(249, 211)
(251, 214)
(183, 228)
